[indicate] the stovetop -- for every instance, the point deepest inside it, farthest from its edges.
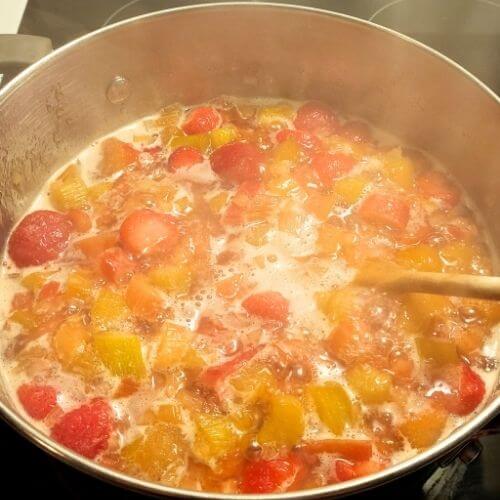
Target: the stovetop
(467, 31)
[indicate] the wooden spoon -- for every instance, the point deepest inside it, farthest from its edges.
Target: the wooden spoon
(402, 281)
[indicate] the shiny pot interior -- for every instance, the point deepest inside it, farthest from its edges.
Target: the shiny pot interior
(70, 98)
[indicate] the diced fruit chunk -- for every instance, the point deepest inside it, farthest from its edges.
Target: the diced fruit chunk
(270, 116)
(80, 285)
(120, 353)
(201, 142)
(353, 449)
(284, 422)
(424, 429)
(268, 305)
(237, 162)
(420, 258)
(70, 340)
(161, 454)
(201, 120)
(373, 386)
(86, 429)
(223, 135)
(398, 168)
(93, 246)
(145, 231)
(184, 157)
(268, 476)
(216, 437)
(316, 117)
(175, 279)
(330, 167)
(68, 191)
(333, 405)
(109, 311)
(39, 238)
(433, 184)
(37, 400)
(142, 298)
(385, 211)
(116, 155)
(437, 351)
(80, 220)
(350, 189)
(116, 265)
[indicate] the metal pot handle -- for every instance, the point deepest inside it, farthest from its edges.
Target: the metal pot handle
(19, 51)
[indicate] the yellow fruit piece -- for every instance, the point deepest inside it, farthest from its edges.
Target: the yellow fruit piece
(459, 256)
(373, 386)
(284, 423)
(160, 455)
(216, 437)
(201, 142)
(218, 202)
(420, 258)
(338, 304)
(257, 234)
(144, 139)
(282, 186)
(331, 239)
(274, 116)
(70, 340)
(223, 135)
(422, 308)
(351, 189)
(97, 190)
(169, 116)
(286, 151)
(424, 429)
(333, 405)
(121, 353)
(254, 383)
(80, 285)
(176, 279)
(27, 319)
(175, 349)
(109, 311)
(398, 168)
(183, 205)
(320, 205)
(68, 191)
(437, 351)
(87, 364)
(35, 281)
(169, 413)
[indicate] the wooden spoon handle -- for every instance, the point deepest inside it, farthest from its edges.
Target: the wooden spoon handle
(460, 285)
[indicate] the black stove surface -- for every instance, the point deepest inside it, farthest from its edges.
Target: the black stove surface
(467, 31)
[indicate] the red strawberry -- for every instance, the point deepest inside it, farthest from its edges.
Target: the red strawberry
(37, 400)
(237, 162)
(40, 237)
(269, 305)
(268, 476)
(86, 429)
(315, 117)
(201, 120)
(184, 157)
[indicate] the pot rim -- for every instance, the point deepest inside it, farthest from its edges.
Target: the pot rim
(43, 441)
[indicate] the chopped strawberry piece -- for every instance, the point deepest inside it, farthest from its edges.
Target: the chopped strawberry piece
(357, 131)
(184, 157)
(315, 117)
(329, 167)
(144, 231)
(86, 429)
(269, 305)
(49, 290)
(433, 184)
(237, 162)
(385, 211)
(201, 120)
(343, 470)
(37, 400)
(116, 265)
(214, 375)
(303, 138)
(39, 238)
(471, 390)
(267, 476)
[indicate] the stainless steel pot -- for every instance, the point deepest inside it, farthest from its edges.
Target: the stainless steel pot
(116, 75)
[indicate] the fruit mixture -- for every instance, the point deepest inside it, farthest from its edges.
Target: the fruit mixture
(184, 303)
